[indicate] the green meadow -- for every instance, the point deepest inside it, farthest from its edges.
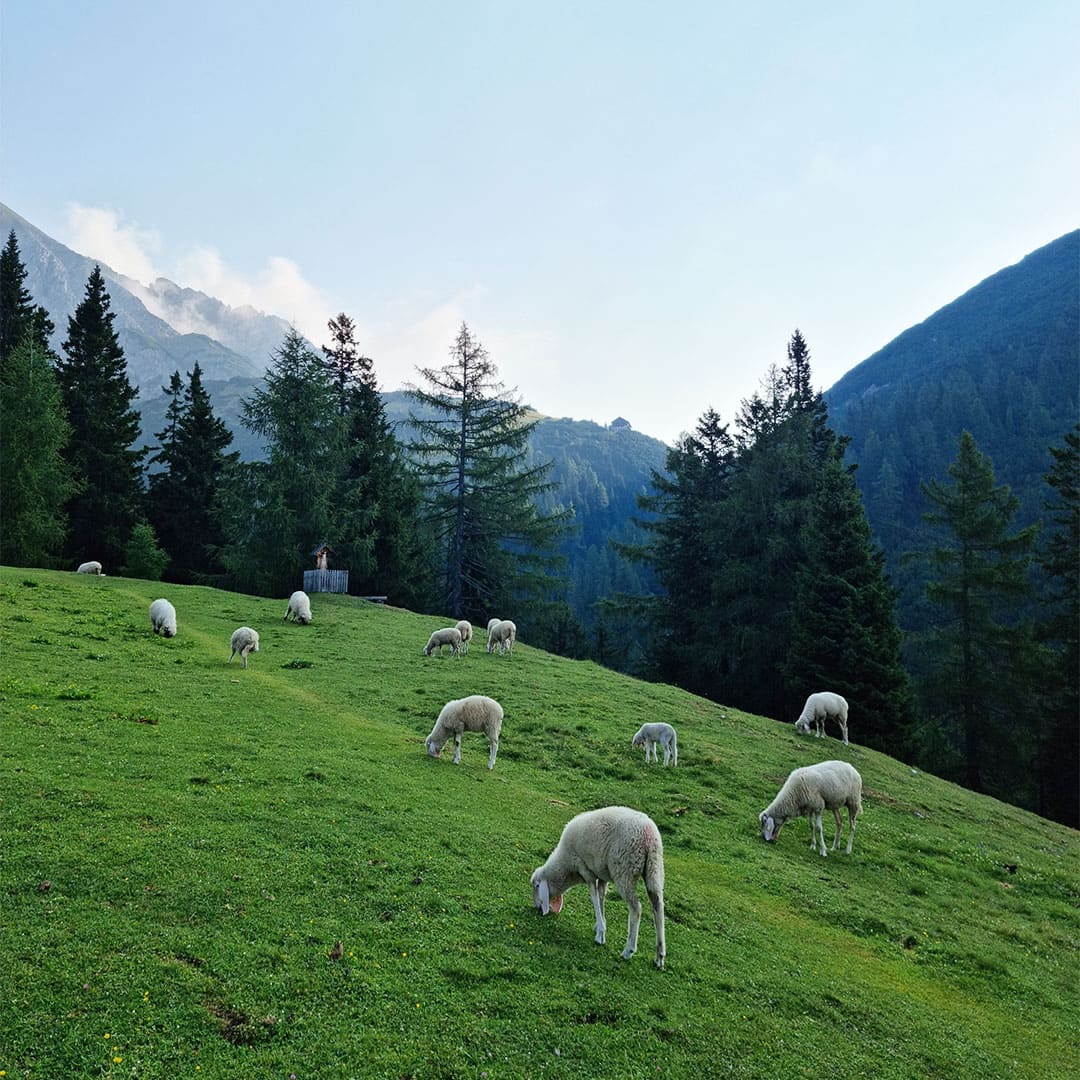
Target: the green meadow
(184, 843)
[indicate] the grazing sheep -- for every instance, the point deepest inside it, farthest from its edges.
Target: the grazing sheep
(476, 713)
(817, 708)
(92, 567)
(502, 636)
(810, 790)
(244, 640)
(652, 735)
(491, 623)
(299, 607)
(163, 618)
(465, 629)
(612, 844)
(449, 635)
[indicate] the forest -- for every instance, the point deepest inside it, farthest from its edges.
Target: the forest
(748, 573)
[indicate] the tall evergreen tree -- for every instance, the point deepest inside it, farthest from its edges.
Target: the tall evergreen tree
(1058, 752)
(105, 425)
(979, 575)
(377, 501)
(37, 480)
(495, 546)
(184, 497)
(16, 304)
(276, 511)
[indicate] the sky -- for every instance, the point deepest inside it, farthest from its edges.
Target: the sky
(632, 205)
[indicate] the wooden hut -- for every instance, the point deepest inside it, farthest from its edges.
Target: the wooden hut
(322, 578)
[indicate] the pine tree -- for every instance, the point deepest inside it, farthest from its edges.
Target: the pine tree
(184, 497)
(16, 304)
(276, 511)
(377, 500)
(496, 548)
(1058, 751)
(979, 575)
(37, 480)
(98, 398)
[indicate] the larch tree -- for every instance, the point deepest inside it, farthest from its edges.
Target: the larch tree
(105, 426)
(494, 548)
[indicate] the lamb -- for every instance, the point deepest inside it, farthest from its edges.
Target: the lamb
(475, 713)
(465, 629)
(652, 735)
(810, 790)
(299, 608)
(817, 708)
(502, 636)
(449, 635)
(615, 844)
(491, 623)
(244, 640)
(92, 567)
(163, 618)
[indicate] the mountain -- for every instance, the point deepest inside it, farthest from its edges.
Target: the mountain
(1002, 361)
(162, 327)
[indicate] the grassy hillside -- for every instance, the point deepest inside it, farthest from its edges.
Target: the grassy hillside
(184, 842)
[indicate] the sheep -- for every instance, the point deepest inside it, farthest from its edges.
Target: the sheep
(92, 567)
(502, 636)
(652, 735)
(810, 790)
(465, 629)
(163, 618)
(449, 635)
(491, 623)
(244, 640)
(817, 708)
(475, 713)
(615, 844)
(299, 607)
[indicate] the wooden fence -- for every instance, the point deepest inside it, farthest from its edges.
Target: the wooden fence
(326, 581)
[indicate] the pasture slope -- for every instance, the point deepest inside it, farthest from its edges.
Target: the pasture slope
(183, 844)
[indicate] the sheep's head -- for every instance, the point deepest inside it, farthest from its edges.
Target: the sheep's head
(802, 726)
(434, 747)
(167, 631)
(303, 619)
(770, 827)
(542, 897)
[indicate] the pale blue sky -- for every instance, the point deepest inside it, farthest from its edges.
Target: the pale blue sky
(632, 205)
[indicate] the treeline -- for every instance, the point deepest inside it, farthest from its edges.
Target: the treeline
(762, 581)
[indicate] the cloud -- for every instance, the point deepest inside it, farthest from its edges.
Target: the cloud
(98, 233)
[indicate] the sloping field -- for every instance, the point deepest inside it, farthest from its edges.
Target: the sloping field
(183, 843)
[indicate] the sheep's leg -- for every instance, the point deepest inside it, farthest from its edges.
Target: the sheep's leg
(657, 901)
(843, 729)
(839, 827)
(231, 656)
(816, 832)
(494, 745)
(850, 828)
(633, 902)
(243, 656)
(457, 749)
(667, 754)
(597, 890)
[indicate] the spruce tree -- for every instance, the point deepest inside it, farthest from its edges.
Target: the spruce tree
(16, 304)
(976, 686)
(495, 548)
(105, 425)
(37, 480)
(276, 511)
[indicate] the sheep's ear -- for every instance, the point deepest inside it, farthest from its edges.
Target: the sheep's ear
(545, 896)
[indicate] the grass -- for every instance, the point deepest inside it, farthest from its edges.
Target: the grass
(183, 843)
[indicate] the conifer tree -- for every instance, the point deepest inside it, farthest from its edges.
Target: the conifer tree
(105, 425)
(16, 304)
(979, 574)
(37, 480)
(495, 547)
(276, 511)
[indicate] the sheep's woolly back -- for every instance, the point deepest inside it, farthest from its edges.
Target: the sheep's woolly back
(163, 618)
(92, 567)
(821, 705)
(474, 713)
(448, 635)
(826, 786)
(299, 607)
(502, 636)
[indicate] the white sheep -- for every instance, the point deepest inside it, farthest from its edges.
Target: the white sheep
(810, 790)
(163, 618)
(465, 629)
(817, 709)
(491, 623)
(502, 637)
(615, 844)
(92, 567)
(449, 635)
(652, 735)
(475, 713)
(244, 640)
(299, 607)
